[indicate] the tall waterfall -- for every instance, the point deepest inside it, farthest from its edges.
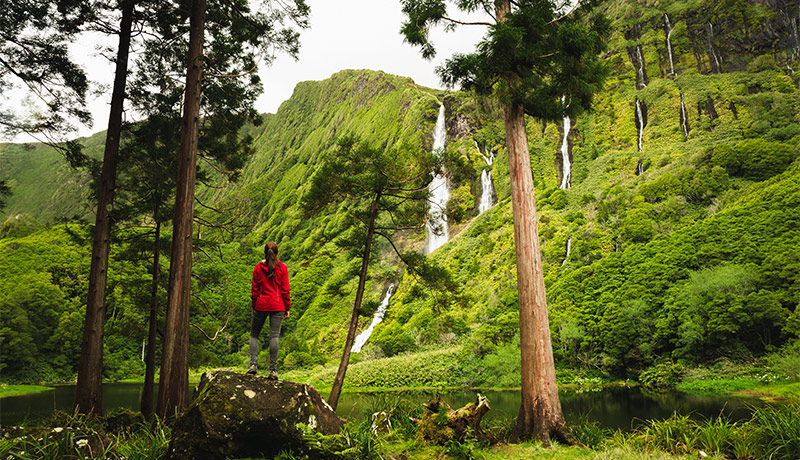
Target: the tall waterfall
(684, 119)
(641, 77)
(639, 121)
(487, 188)
(566, 166)
(440, 193)
(362, 338)
(640, 168)
(569, 247)
(669, 44)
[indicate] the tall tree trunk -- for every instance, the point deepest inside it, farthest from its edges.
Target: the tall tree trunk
(540, 410)
(150, 359)
(338, 381)
(89, 388)
(173, 384)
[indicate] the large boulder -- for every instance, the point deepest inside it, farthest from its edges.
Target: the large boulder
(238, 415)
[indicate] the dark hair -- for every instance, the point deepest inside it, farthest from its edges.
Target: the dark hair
(271, 254)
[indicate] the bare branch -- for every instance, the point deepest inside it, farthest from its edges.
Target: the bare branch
(462, 23)
(572, 10)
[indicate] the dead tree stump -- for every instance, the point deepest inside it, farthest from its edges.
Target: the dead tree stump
(442, 424)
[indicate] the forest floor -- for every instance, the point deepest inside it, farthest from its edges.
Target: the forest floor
(532, 451)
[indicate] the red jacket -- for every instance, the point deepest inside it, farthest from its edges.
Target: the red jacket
(270, 292)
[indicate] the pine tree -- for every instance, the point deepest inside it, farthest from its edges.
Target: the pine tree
(233, 35)
(530, 59)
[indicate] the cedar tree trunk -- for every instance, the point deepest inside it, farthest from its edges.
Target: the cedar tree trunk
(89, 388)
(173, 385)
(338, 381)
(150, 359)
(540, 410)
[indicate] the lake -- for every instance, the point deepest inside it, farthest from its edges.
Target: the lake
(612, 407)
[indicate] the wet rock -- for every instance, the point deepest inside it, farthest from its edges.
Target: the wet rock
(238, 415)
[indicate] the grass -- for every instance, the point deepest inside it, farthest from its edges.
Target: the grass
(534, 451)
(16, 390)
(774, 392)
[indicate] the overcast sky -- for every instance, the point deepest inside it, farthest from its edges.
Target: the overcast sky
(343, 34)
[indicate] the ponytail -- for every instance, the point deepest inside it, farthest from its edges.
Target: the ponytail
(271, 255)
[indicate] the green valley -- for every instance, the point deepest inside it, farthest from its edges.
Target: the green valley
(669, 218)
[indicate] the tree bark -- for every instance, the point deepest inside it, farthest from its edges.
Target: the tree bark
(174, 379)
(540, 414)
(150, 359)
(89, 388)
(338, 381)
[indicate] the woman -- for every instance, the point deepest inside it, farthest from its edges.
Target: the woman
(269, 299)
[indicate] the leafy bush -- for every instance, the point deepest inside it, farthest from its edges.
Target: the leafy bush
(662, 375)
(755, 159)
(787, 361)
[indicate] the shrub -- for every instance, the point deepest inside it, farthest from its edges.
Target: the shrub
(662, 375)
(787, 361)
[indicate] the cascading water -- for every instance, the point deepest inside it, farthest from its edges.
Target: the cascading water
(566, 166)
(712, 51)
(642, 78)
(669, 44)
(640, 168)
(640, 121)
(684, 119)
(362, 338)
(569, 247)
(487, 188)
(440, 193)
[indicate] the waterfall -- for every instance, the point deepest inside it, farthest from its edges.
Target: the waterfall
(362, 338)
(487, 188)
(569, 247)
(641, 76)
(684, 119)
(566, 166)
(640, 122)
(640, 168)
(669, 44)
(440, 193)
(712, 52)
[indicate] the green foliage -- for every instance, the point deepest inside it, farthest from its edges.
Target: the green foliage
(692, 260)
(436, 368)
(787, 361)
(588, 433)
(772, 432)
(460, 204)
(755, 159)
(75, 436)
(662, 375)
(779, 431)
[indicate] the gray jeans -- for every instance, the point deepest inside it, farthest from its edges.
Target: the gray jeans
(256, 324)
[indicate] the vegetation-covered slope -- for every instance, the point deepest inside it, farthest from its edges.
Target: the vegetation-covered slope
(681, 249)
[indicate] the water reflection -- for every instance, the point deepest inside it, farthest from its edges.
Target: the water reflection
(612, 407)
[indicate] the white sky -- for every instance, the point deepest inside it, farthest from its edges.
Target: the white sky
(343, 34)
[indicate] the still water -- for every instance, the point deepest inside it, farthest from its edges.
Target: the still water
(612, 407)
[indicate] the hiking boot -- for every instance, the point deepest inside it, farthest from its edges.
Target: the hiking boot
(272, 375)
(253, 370)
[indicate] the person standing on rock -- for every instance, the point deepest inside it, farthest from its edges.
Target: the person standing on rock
(269, 298)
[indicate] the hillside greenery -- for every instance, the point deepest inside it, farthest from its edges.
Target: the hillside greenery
(681, 255)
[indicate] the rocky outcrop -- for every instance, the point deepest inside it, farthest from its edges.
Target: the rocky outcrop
(237, 415)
